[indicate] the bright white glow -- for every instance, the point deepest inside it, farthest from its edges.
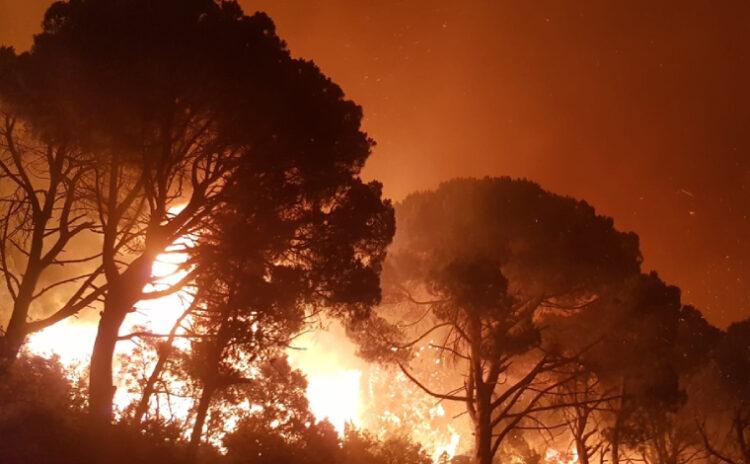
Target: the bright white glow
(69, 339)
(448, 448)
(335, 396)
(72, 340)
(333, 373)
(160, 314)
(554, 456)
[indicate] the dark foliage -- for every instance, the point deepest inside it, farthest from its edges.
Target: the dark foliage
(43, 421)
(193, 104)
(489, 258)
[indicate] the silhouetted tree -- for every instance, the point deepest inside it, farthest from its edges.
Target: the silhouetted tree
(481, 260)
(43, 420)
(360, 447)
(583, 400)
(40, 221)
(668, 438)
(162, 345)
(255, 441)
(729, 370)
(35, 414)
(273, 258)
(667, 420)
(312, 443)
(172, 97)
(646, 340)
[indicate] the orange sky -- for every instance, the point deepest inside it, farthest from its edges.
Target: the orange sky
(642, 109)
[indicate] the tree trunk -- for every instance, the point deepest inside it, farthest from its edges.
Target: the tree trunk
(615, 440)
(10, 346)
(124, 292)
(580, 436)
(483, 443)
(148, 390)
(15, 334)
(603, 450)
(582, 450)
(483, 428)
(615, 445)
(740, 425)
(101, 390)
(200, 420)
(164, 351)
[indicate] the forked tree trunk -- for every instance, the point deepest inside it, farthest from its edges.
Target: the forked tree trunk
(150, 386)
(482, 400)
(164, 351)
(580, 435)
(123, 294)
(210, 386)
(583, 451)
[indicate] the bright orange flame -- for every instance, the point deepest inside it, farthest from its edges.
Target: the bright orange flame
(333, 391)
(73, 340)
(327, 358)
(333, 379)
(70, 339)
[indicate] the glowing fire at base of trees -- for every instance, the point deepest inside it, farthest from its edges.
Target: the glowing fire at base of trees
(333, 389)
(327, 359)
(334, 397)
(334, 374)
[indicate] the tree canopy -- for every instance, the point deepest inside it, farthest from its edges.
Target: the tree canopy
(547, 245)
(178, 102)
(487, 258)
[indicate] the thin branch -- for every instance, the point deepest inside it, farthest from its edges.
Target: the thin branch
(427, 390)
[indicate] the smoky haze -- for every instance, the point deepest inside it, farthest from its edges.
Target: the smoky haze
(639, 108)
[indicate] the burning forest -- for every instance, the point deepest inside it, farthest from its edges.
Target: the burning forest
(200, 266)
